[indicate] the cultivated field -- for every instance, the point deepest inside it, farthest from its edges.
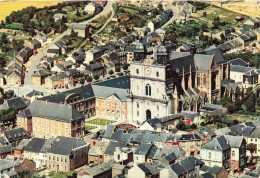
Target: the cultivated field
(249, 8)
(9, 6)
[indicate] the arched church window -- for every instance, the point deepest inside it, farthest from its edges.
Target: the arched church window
(148, 90)
(204, 80)
(157, 74)
(137, 71)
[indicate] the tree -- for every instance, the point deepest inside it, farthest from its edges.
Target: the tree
(111, 72)
(117, 69)
(204, 27)
(96, 76)
(193, 126)
(230, 107)
(82, 81)
(125, 66)
(23, 173)
(252, 148)
(181, 125)
(9, 94)
(235, 122)
(89, 79)
(216, 119)
(73, 34)
(77, 13)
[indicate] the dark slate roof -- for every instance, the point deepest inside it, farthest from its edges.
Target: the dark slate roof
(189, 163)
(183, 63)
(14, 103)
(139, 138)
(25, 113)
(126, 138)
(111, 147)
(6, 149)
(3, 141)
(178, 169)
(217, 54)
(238, 62)
(117, 134)
(203, 62)
(120, 82)
(63, 145)
(35, 145)
(154, 122)
(188, 137)
(219, 143)
(34, 93)
(206, 175)
(16, 133)
(143, 149)
(109, 131)
(104, 92)
(170, 157)
(148, 169)
(214, 169)
(47, 144)
(54, 111)
(149, 138)
(241, 69)
(255, 133)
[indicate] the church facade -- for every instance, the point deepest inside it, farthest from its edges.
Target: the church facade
(168, 82)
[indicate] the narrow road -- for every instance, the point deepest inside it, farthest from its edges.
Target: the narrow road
(175, 15)
(36, 59)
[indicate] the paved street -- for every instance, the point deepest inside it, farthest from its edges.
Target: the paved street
(175, 14)
(36, 59)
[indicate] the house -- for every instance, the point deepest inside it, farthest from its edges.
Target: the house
(24, 119)
(190, 143)
(17, 104)
(96, 152)
(5, 148)
(238, 62)
(213, 110)
(143, 170)
(100, 170)
(152, 125)
(39, 76)
(18, 150)
(34, 94)
(36, 44)
(81, 29)
(123, 155)
(96, 68)
(215, 171)
(216, 152)
(59, 16)
(174, 171)
(67, 154)
(109, 153)
(192, 166)
(94, 53)
(141, 154)
(16, 135)
(191, 117)
(7, 169)
(92, 8)
(32, 149)
(53, 52)
(41, 37)
(52, 119)
(254, 138)
(252, 23)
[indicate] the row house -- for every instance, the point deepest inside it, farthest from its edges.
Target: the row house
(60, 80)
(225, 151)
(67, 154)
(191, 144)
(52, 119)
(39, 76)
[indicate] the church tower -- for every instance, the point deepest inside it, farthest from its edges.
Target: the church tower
(148, 97)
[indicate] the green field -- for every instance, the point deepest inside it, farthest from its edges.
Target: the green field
(100, 121)
(89, 127)
(15, 26)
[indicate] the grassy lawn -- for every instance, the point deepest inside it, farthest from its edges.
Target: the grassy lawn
(16, 26)
(10, 54)
(100, 121)
(53, 174)
(89, 127)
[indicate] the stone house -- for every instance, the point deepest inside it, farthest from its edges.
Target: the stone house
(81, 29)
(143, 170)
(96, 152)
(190, 143)
(141, 154)
(67, 154)
(39, 76)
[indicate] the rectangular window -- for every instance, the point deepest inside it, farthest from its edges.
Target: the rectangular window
(209, 155)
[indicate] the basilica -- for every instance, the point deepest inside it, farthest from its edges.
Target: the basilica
(165, 82)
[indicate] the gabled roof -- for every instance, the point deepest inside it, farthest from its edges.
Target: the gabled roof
(238, 62)
(111, 147)
(189, 163)
(217, 54)
(234, 141)
(203, 62)
(54, 111)
(117, 134)
(16, 133)
(143, 149)
(14, 103)
(64, 145)
(35, 145)
(255, 133)
(219, 143)
(177, 169)
(148, 169)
